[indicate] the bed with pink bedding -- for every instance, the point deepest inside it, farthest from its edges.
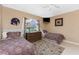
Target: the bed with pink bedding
(15, 45)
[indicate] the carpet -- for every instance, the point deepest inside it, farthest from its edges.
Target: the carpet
(47, 47)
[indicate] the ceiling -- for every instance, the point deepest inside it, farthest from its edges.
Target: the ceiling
(44, 10)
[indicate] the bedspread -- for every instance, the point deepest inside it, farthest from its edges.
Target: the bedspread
(18, 46)
(55, 36)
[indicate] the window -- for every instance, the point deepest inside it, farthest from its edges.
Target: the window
(31, 25)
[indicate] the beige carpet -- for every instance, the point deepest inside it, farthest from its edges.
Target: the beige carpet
(47, 47)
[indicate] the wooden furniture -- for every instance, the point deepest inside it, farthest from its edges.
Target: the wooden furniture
(35, 36)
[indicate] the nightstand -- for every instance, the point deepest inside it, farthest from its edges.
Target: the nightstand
(33, 37)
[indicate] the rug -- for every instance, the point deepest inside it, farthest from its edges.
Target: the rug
(47, 47)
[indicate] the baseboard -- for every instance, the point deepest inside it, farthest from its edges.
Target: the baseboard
(75, 43)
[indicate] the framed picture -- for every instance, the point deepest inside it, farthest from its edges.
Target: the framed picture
(59, 22)
(15, 21)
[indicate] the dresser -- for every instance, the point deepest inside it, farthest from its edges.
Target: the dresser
(33, 37)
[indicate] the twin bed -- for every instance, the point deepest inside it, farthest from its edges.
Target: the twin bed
(13, 44)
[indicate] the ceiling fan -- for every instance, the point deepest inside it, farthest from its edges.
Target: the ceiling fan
(50, 6)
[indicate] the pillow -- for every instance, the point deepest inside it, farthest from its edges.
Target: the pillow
(45, 31)
(4, 35)
(43, 34)
(13, 34)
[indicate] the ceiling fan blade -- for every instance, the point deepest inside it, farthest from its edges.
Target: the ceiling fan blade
(55, 5)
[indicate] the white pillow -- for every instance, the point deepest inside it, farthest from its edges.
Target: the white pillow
(4, 35)
(43, 34)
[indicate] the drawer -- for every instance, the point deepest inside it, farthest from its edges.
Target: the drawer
(33, 36)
